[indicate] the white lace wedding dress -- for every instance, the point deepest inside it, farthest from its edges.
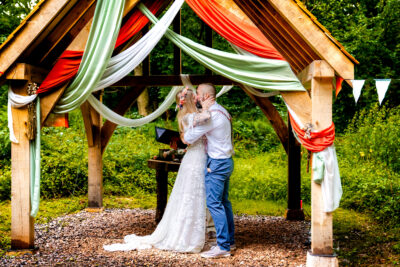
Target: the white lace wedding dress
(183, 225)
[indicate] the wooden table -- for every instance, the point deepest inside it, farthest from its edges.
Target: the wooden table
(162, 168)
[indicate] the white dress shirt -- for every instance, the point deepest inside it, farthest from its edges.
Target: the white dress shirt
(218, 132)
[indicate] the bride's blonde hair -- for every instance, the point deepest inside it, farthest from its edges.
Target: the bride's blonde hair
(189, 106)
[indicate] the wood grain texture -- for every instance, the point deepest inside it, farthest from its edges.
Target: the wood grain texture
(293, 33)
(49, 101)
(22, 228)
(321, 222)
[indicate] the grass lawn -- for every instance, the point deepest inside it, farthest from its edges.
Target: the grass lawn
(357, 238)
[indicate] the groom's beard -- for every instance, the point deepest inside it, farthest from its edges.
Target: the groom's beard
(198, 104)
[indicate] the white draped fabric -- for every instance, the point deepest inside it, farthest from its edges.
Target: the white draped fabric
(247, 88)
(120, 120)
(125, 62)
(16, 101)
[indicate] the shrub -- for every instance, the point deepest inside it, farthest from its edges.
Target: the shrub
(369, 160)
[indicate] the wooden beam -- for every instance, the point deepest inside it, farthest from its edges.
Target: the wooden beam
(22, 228)
(26, 72)
(39, 19)
(321, 221)
(87, 120)
(65, 33)
(318, 68)
(294, 210)
(314, 37)
(127, 100)
(274, 118)
(55, 42)
(92, 121)
(300, 103)
(169, 80)
(48, 101)
(177, 50)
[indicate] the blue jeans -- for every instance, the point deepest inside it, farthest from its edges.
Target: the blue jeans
(217, 186)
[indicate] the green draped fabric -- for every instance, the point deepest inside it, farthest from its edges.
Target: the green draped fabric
(99, 47)
(260, 73)
(34, 148)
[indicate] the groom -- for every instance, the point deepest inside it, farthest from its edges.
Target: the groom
(218, 170)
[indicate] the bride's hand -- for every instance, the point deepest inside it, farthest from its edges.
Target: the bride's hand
(206, 104)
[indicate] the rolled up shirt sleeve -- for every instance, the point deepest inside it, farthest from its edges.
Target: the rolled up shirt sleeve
(193, 134)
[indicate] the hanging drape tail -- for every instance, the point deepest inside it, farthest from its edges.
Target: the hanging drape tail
(68, 63)
(325, 165)
(16, 101)
(326, 173)
(35, 168)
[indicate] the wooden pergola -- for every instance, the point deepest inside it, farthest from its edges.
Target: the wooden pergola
(58, 25)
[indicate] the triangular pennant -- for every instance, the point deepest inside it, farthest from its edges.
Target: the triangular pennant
(357, 86)
(339, 81)
(382, 86)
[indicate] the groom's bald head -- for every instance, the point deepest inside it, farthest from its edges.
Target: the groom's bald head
(205, 89)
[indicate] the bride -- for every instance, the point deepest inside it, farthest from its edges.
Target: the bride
(183, 226)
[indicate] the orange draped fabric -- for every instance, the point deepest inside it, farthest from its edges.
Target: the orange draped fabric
(67, 64)
(318, 141)
(240, 33)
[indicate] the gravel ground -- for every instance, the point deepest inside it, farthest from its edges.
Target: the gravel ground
(77, 240)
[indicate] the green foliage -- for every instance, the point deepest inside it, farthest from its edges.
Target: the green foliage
(373, 136)
(372, 144)
(5, 145)
(11, 14)
(370, 31)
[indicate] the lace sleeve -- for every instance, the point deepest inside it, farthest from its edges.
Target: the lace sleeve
(187, 121)
(196, 119)
(201, 118)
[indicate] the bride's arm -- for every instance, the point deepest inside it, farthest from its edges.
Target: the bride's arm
(201, 118)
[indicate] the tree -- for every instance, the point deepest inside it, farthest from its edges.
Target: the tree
(11, 14)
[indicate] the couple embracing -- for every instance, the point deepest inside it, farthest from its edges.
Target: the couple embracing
(202, 180)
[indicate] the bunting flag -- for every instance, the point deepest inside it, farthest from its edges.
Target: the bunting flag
(339, 81)
(357, 87)
(382, 86)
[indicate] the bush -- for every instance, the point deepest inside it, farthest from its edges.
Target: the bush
(5, 144)
(369, 160)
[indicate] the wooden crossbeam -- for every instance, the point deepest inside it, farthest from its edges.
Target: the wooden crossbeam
(170, 80)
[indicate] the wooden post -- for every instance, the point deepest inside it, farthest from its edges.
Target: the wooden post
(321, 221)
(22, 230)
(177, 50)
(294, 210)
(92, 121)
(162, 192)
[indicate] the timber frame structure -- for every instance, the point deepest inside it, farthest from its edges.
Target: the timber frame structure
(58, 25)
